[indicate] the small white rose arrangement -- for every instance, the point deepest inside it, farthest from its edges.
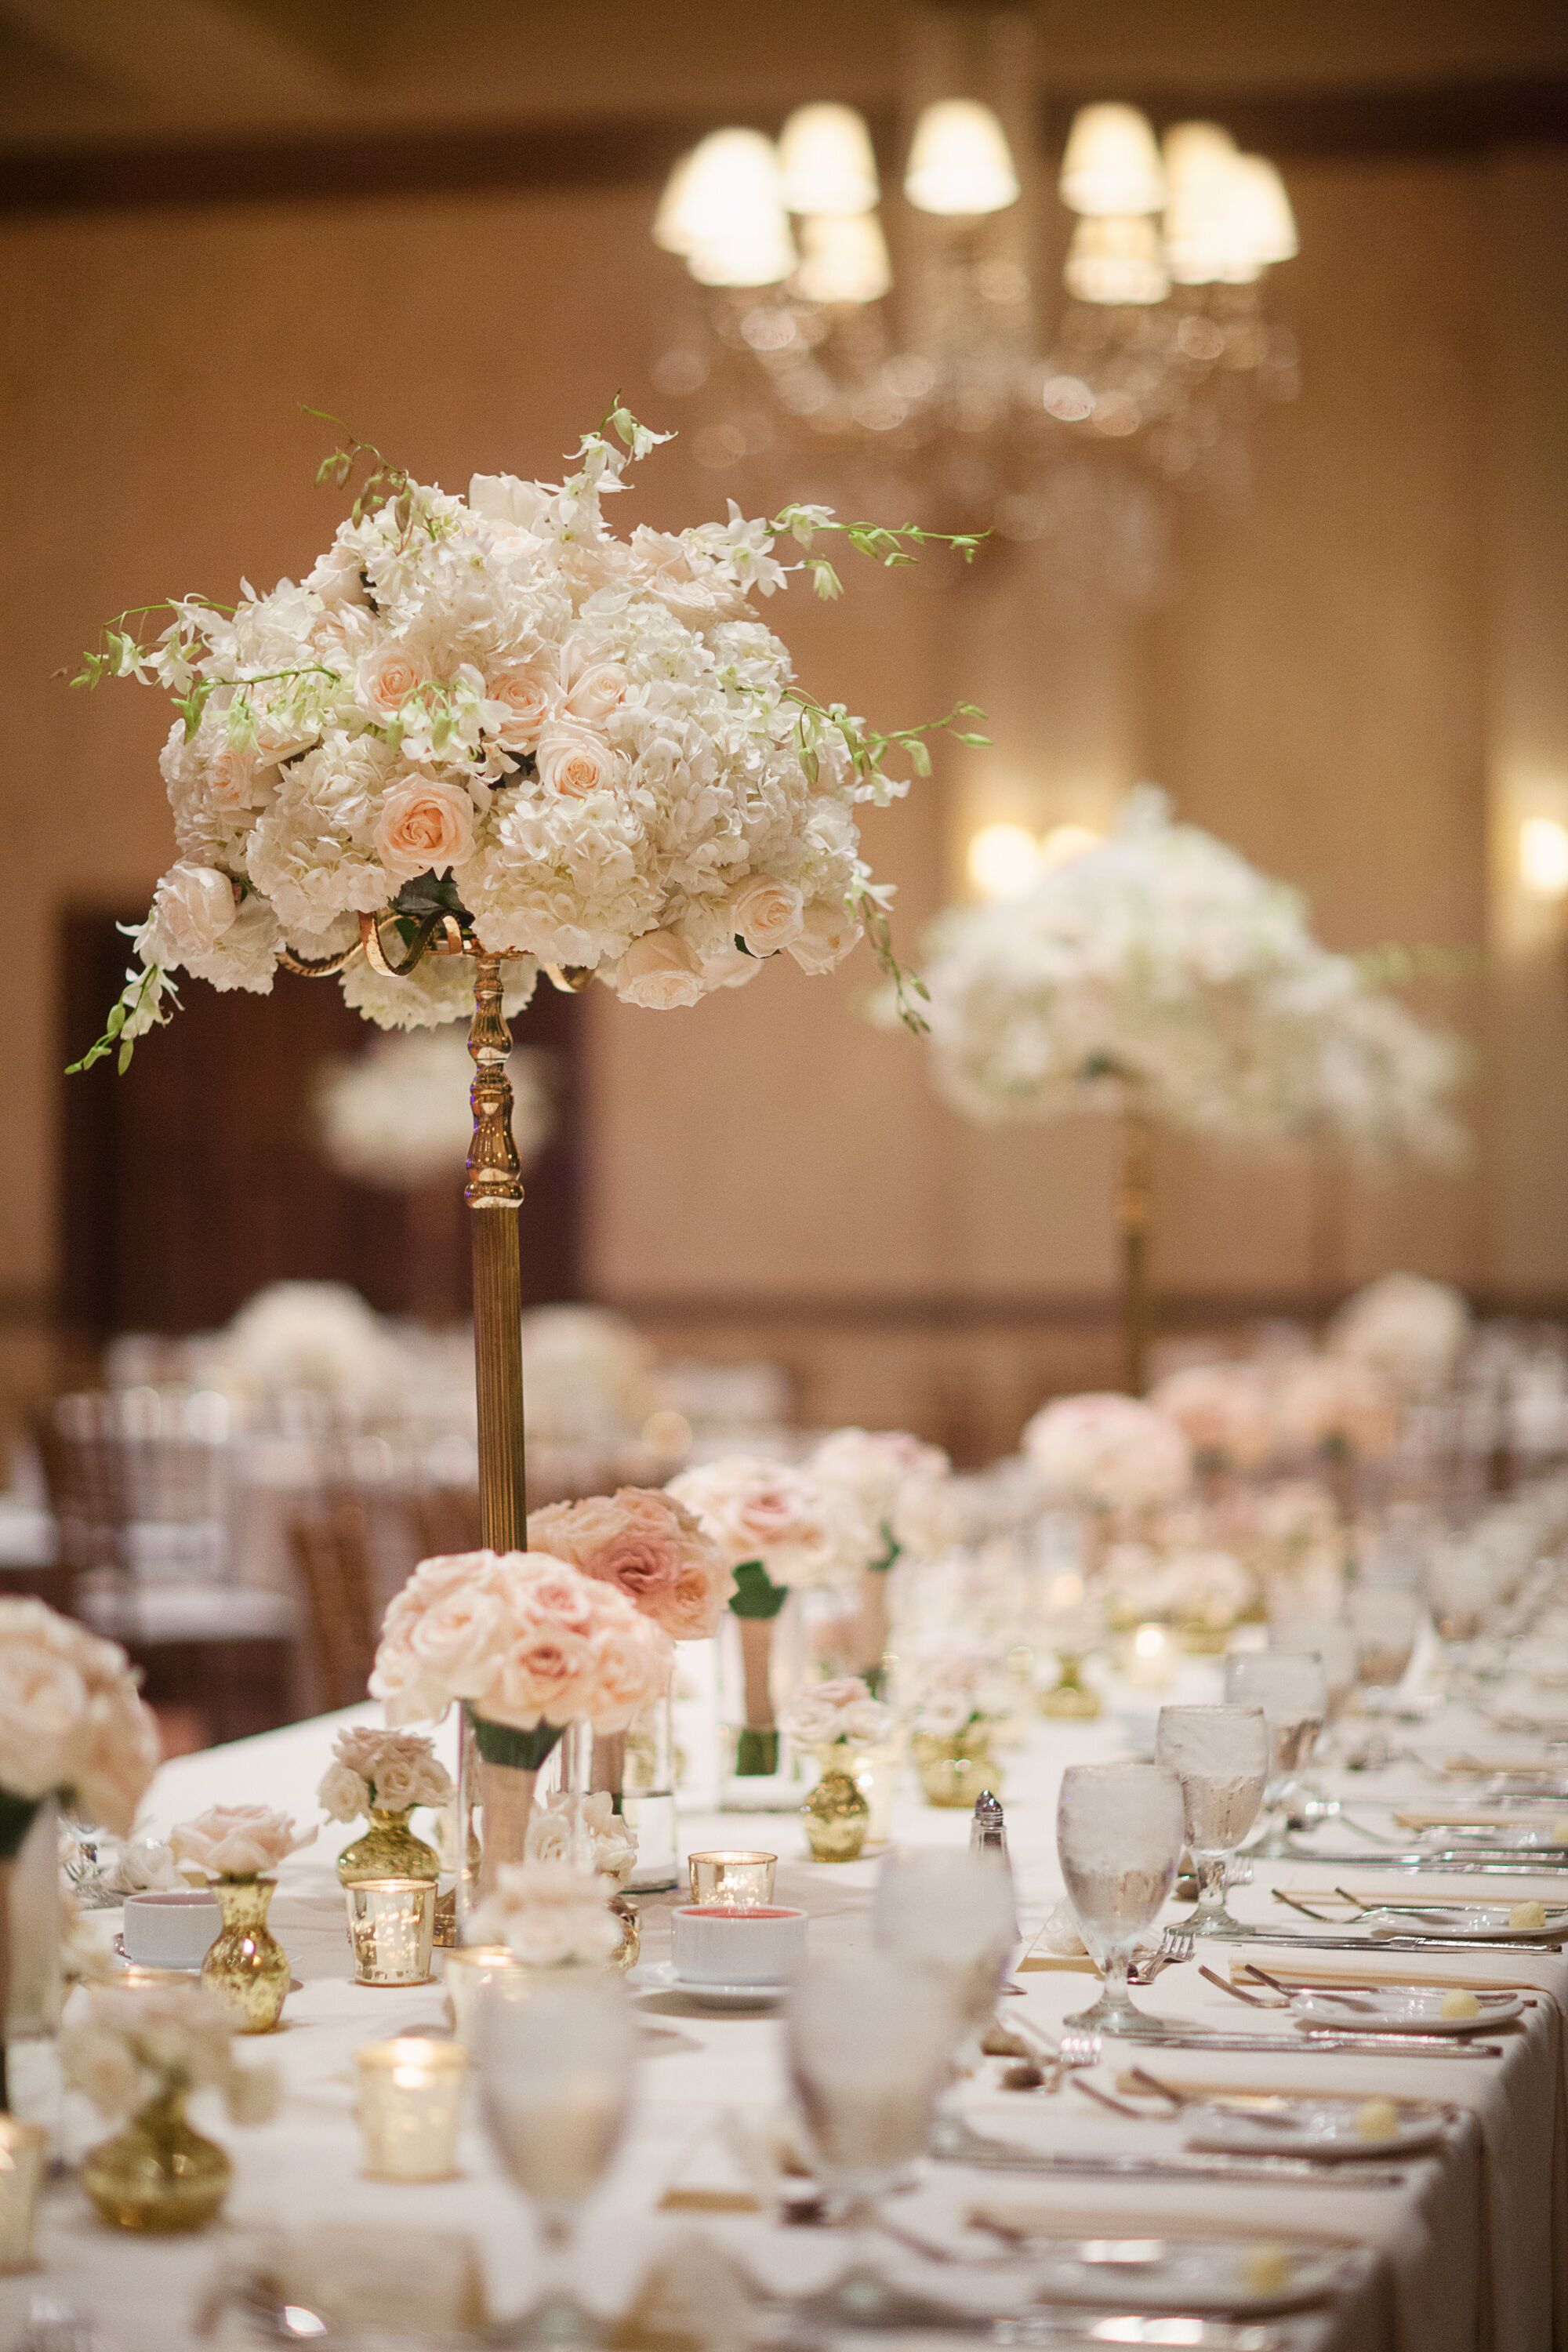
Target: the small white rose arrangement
(237, 1841)
(549, 1914)
(580, 1829)
(383, 1771)
(72, 1724)
(884, 1473)
(128, 2049)
(841, 1713)
(954, 1694)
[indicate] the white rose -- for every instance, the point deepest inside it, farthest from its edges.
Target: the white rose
(659, 971)
(828, 933)
(341, 1794)
(383, 682)
(424, 827)
(193, 906)
(596, 691)
(43, 1720)
(729, 968)
(765, 914)
(573, 760)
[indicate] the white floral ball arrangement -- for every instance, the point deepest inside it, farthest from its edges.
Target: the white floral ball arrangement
(397, 1116)
(1107, 1451)
(1159, 969)
(490, 716)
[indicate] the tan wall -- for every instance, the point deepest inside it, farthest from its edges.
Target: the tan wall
(1317, 690)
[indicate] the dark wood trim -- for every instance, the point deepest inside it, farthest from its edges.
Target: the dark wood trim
(1437, 117)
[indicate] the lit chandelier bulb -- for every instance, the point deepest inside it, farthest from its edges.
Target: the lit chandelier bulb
(1111, 165)
(1201, 236)
(960, 163)
(825, 161)
(1267, 224)
(1116, 262)
(843, 258)
(723, 209)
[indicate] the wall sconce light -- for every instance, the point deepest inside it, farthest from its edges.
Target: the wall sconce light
(1003, 859)
(1543, 857)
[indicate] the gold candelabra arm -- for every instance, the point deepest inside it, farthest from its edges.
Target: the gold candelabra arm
(494, 1194)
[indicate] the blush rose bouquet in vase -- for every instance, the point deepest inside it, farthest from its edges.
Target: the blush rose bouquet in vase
(526, 1646)
(73, 1731)
(659, 1555)
(786, 1534)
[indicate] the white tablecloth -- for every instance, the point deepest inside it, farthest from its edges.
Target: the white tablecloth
(1470, 2251)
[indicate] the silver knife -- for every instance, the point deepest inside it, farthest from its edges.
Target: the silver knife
(1477, 1946)
(1292, 2045)
(1001, 2156)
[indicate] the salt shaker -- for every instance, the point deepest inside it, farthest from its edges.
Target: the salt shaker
(988, 1830)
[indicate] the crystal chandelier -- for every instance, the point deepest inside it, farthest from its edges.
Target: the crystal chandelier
(983, 377)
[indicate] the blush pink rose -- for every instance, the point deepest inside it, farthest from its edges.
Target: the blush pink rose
(631, 1669)
(458, 1640)
(546, 1674)
(383, 682)
(424, 827)
(649, 1547)
(528, 696)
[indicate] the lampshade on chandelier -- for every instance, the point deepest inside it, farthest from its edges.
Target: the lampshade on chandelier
(990, 356)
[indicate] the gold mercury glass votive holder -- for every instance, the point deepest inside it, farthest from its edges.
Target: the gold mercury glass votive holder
(466, 1971)
(740, 1877)
(23, 2150)
(392, 1927)
(410, 2102)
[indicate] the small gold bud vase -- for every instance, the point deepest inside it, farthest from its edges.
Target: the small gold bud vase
(388, 1849)
(158, 2174)
(245, 1966)
(837, 1817)
(630, 1951)
(954, 1770)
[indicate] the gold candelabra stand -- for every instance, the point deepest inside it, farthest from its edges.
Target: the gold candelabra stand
(1135, 1228)
(494, 1195)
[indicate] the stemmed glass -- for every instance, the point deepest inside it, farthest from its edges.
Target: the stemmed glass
(555, 2075)
(1119, 1841)
(868, 2042)
(1291, 1690)
(1383, 1618)
(1220, 1755)
(949, 1909)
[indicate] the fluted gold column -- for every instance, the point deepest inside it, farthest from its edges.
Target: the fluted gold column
(1135, 1217)
(494, 1194)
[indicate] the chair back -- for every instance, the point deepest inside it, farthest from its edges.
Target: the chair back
(331, 1542)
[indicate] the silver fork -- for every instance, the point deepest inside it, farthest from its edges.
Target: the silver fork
(1175, 1946)
(1077, 2048)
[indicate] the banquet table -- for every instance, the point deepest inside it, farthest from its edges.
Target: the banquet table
(1468, 2248)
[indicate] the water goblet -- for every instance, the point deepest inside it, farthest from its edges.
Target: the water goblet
(1119, 1840)
(1292, 1691)
(1385, 1619)
(949, 1909)
(1220, 1755)
(555, 2078)
(867, 2041)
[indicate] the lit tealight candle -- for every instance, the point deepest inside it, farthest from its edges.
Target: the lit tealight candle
(391, 1928)
(23, 2147)
(410, 2099)
(732, 1877)
(1149, 1659)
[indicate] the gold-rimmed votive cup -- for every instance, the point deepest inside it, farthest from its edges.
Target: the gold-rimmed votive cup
(23, 2149)
(410, 2104)
(466, 1971)
(738, 1876)
(391, 1928)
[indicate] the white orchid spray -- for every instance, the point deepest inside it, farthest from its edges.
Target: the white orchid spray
(489, 718)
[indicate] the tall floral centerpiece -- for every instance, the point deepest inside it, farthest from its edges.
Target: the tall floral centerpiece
(1159, 979)
(73, 1730)
(883, 1472)
(526, 1646)
(485, 735)
(783, 1531)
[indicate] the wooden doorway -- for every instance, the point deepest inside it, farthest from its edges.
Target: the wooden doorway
(195, 1179)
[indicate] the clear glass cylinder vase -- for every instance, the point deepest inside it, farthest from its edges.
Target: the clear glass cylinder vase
(646, 1797)
(32, 1983)
(760, 1663)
